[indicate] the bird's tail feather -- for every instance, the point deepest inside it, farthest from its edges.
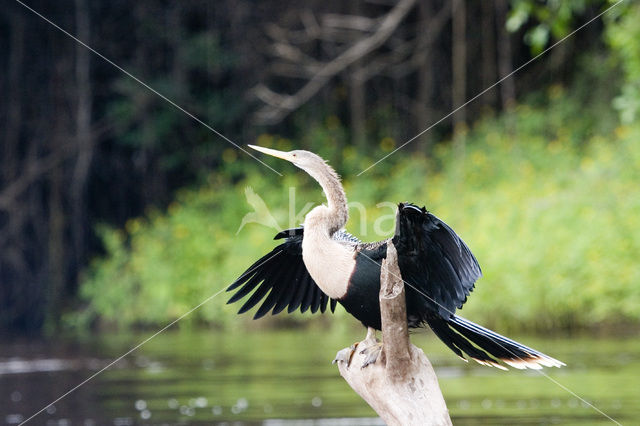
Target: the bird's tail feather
(485, 346)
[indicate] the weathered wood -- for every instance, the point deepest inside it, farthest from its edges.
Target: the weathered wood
(401, 386)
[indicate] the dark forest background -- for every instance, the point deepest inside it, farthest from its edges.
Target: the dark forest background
(83, 144)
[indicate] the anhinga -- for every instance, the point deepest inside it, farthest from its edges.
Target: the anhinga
(320, 264)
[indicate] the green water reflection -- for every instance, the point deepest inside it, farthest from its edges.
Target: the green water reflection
(208, 377)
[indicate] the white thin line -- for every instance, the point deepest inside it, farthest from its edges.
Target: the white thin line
(498, 343)
(139, 344)
(493, 85)
(122, 356)
(142, 83)
(579, 397)
(237, 146)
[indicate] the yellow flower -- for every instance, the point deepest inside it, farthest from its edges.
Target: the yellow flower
(556, 91)
(387, 144)
(587, 163)
(181, 232)
(132, 226)
(333, 122)
(264, 139)
(229, 155)
(622, 131)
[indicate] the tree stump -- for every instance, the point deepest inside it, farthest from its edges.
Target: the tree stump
(401, 386)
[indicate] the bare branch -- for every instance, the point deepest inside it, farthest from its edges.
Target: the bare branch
(268, 96)
(310, 23)
(393, 309)
(33, 172)
(382, 63)
(289, 70)
(292, 53)
(425, 40)
(349, 22)
(402, 386)
(276, 32)
(271, 115)
(38, 167)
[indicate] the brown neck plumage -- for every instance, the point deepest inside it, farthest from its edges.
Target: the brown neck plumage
(329, 180)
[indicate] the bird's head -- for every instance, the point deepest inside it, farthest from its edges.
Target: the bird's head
(337, 214)
(409, 221)
(307, 161)
(411, 215)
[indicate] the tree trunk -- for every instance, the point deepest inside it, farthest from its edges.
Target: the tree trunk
(459, 68)
(357, 108)
(424, 111)
(401, 385)
(357, 96)
(84, 139)
(507, 87)
(14, 106)
(459, 62)
(56, 248)
(55, 211)
(489, 74)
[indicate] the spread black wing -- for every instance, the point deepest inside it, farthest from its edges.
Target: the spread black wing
(280, 280)
(434, 260)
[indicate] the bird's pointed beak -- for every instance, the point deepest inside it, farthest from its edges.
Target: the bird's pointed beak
(274, 152)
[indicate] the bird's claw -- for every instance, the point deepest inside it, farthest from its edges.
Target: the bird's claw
(346, 355)
(371, 353)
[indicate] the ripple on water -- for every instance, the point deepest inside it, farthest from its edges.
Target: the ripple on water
(13, 419)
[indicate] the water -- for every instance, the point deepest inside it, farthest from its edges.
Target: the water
(286, 378)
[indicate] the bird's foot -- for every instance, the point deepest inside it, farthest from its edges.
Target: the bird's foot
(372, 353)
(372, 348)
(346, 355)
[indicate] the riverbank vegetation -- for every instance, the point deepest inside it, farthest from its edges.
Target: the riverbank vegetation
(118, 209)
(546, 196)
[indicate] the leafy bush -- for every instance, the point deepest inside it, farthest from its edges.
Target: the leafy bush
(623, 35)
(547, 200)
(553, 224)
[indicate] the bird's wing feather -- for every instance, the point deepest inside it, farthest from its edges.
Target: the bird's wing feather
(434, 260)
(290, 233)
(280, 280)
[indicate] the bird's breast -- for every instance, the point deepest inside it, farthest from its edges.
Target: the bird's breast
(329, 263)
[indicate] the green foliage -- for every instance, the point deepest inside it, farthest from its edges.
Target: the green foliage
(552, 224)
(166, 140)
(623, 35)
(543, 195)
(551, 18)
(555, 19)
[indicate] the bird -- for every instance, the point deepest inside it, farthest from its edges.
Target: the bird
(320, 265)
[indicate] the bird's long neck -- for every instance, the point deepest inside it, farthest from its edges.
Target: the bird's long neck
(329, 263)
(337, 213)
